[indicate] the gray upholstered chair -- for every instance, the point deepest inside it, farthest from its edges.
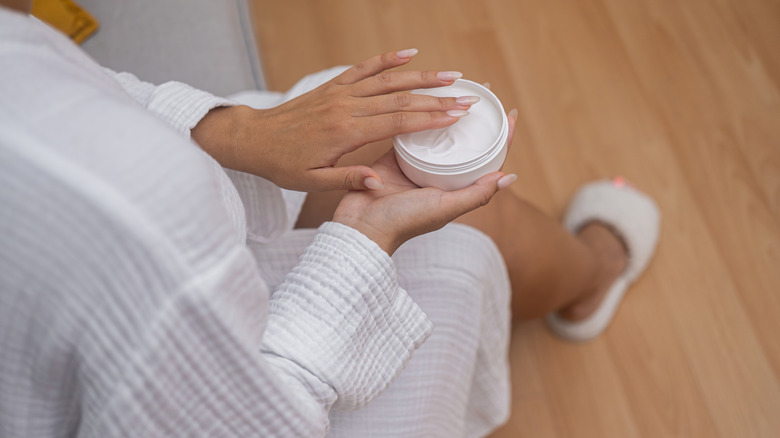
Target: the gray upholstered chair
(208, 44)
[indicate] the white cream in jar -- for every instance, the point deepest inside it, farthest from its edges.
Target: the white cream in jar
(456, 156)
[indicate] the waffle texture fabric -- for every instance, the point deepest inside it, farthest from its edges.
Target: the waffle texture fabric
(145, 291)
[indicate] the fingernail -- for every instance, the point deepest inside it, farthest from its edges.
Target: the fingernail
(486, 85)
(513, 113)
(467, 100)
(457, 113)
(506, 180)
(408, 53)
(449, 76)
(373, 184)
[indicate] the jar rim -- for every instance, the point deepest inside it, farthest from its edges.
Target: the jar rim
(447, 169)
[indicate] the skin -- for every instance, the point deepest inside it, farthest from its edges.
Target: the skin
(550, 268)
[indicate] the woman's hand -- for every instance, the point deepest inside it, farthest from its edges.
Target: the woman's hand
(401, 210)
(297, 144)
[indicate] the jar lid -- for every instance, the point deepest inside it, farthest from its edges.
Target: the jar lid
(471, 139)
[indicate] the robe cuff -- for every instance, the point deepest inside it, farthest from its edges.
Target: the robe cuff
(183, 106)
(341, 316)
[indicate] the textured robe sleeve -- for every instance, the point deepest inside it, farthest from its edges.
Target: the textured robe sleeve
(339, 331)
(341, 318)
(182, 107)
(179, 104)
(131, 336)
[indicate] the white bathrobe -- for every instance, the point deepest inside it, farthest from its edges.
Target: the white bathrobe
(145, 291)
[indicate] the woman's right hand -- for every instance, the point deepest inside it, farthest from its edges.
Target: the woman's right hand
(298, 144)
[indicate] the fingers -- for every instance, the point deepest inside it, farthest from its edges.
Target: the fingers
(384, 126)
(506, 181)
(474, 196)
(375, 65)
(391, 103)
(392, 81)
(346, 178)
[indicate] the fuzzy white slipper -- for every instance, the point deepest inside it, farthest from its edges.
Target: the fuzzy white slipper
(635, 217)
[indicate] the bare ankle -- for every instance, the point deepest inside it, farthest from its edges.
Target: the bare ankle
(611, 256)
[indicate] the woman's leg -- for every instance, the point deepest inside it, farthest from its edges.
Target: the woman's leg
(550, 269)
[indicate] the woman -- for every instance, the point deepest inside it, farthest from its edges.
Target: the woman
(148, 292)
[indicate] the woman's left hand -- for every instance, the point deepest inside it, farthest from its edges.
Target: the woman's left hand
(402, 210)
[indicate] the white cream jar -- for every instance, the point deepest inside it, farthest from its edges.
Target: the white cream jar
(455, 157)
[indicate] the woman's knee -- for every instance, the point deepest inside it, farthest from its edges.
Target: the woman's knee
(457, 248)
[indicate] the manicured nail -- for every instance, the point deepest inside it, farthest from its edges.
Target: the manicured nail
(457, 113)
(449, 76)
(513, 113)
(373, 184)
(408, 53)
(486, 85)
(467, 100)
(506, 180)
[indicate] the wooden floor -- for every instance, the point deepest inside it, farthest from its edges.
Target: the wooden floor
(680, 97)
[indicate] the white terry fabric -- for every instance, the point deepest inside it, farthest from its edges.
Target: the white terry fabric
(456, 385)
(130, 304)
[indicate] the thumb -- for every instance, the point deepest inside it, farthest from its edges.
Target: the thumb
(347, 178)
(474, 196)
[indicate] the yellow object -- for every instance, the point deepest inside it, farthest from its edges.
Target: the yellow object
(67, 16)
